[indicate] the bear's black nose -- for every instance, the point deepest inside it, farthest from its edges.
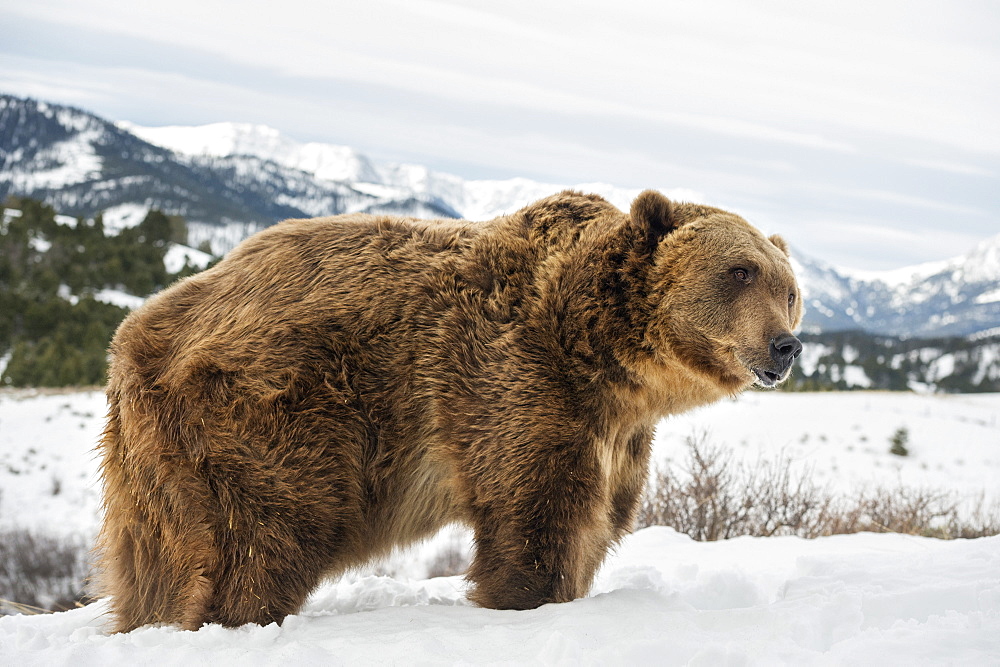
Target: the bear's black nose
(784, 349)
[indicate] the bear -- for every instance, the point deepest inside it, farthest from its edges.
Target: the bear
(339, 387)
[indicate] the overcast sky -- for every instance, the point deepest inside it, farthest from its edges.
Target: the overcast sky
(866, 132)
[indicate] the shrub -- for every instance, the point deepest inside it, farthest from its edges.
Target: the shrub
(40, 572)
(448, 562)
(710, 498)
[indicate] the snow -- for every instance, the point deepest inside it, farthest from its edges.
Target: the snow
(661, 598)
(855, 376)
(66, 293)
(62, 164)
(177, 255)
(986, 333)
(220, 238)
(989, 297)
(949, 297)
(46, 441)
(119, 298)
(811, 354)
(842, 438)
(988, 364)
(905, 276)
(39, 244)
(943, 366)
(983, 263)
(980, 265)
(325, 161)
(123, 216)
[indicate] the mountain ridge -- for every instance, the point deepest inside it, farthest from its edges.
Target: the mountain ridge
(231, 179)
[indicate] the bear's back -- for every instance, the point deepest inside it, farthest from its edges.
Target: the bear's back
(308, 290)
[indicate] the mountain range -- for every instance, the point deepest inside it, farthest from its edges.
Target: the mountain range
(230, 179)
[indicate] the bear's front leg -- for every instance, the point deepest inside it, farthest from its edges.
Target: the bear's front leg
(542, 527)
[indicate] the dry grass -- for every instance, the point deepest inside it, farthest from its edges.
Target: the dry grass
(712, 498)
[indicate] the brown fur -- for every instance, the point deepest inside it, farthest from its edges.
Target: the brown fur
(339, 387)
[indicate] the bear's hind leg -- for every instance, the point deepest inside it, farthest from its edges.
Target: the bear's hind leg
(262, 581)
(281, 529)
(154, 554)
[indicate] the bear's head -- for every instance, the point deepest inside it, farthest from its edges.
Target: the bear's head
(724, 298)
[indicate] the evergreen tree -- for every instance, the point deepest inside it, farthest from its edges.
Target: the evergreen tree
(155, 230)
(56, 333)
(898, 441)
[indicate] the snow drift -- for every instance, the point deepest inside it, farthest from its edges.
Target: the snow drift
(662, 599)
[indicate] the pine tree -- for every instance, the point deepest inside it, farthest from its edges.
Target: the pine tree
(898, 442)
(55, 341)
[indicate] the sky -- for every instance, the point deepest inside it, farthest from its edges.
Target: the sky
(867, 132)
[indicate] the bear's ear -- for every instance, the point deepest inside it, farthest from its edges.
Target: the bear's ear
(654, 213)
(780, 242)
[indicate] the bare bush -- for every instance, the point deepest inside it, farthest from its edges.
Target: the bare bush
(449, 561)
(711, 498)
(40, 572)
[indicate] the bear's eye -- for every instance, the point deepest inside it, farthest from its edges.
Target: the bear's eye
(791, 299)
(742, 275)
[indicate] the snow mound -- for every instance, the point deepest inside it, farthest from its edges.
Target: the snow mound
(662, 599)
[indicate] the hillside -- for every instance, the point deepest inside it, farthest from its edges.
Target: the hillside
(959, 296)
(844, 360)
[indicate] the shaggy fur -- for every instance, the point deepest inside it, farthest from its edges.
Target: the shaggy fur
(342, 386)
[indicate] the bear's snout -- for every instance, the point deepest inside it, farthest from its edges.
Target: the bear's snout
(784, 349)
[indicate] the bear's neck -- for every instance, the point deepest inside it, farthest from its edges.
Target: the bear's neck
(674, 388)
(650, 382)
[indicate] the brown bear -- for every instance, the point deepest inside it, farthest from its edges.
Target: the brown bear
(339, 387)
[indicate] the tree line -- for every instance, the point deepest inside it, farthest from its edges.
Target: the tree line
(53, 331)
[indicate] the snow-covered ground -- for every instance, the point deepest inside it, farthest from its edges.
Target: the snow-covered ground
(842, 439)
(660, 599)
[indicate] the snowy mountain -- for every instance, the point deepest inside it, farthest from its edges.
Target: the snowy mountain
(231, 179)
(955, 297)
(324, 161)
(471, 199)
(81, 164)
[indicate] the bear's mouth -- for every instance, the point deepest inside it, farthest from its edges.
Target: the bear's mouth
(766, 378)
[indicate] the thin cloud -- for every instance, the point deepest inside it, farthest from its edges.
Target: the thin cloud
(888, 197)
(953, 167)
